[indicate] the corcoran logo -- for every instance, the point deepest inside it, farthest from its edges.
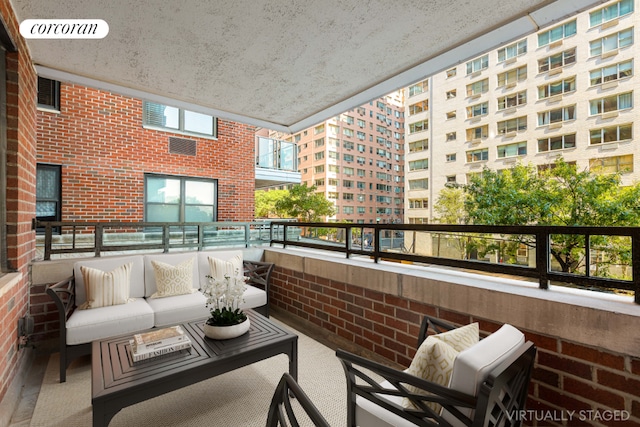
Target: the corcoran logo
(64, 29)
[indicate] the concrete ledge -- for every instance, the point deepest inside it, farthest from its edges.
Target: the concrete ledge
(591, 318)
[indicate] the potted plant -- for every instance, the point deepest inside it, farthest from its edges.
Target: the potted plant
(223, 300)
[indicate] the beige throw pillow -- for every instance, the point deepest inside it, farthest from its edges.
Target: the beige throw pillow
(173, 280)
(434, 359)
(218, 268)
(106, 288)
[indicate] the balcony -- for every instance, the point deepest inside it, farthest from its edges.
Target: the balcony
(276, 163)
(367, 286)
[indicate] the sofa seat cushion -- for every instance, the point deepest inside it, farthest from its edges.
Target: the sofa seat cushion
(253, 297)
(178, 309)
(85, 326)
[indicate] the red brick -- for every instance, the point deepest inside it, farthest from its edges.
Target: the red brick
(592, 355)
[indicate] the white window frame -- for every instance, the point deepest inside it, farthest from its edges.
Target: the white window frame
(478, 64)
(610, 12)
(566, 142)
(568, 113)
(616, 129)
(557, 33)
(512, 51)
(621, 70)
(505, 151)
(611, 43)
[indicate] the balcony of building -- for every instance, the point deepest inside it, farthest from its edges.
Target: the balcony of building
(276, 163)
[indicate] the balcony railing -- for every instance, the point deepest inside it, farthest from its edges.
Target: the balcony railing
(598, 258)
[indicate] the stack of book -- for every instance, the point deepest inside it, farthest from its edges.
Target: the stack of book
(156, 343)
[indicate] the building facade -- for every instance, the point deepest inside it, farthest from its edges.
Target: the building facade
(357, 161)
(567, 91)
(106, 157)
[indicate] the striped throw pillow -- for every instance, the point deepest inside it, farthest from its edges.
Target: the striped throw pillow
(104, 289)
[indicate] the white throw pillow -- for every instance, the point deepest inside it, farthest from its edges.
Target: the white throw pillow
(106, 288)
(434, 359)
(173, 280)
(433, 362)
(461, 338)
(218, 268)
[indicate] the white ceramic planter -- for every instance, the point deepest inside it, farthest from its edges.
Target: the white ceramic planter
(226, 332)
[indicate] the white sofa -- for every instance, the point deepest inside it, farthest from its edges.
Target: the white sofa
(78, 328)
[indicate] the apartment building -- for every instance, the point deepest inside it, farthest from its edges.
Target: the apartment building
(357, 161)
(567, 91)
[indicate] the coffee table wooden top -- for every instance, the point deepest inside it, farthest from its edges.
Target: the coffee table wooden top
(118, 382)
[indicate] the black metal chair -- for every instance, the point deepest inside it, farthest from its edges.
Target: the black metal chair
(283, 412)
(498, 400)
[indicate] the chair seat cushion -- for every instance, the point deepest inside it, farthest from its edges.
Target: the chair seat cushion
(369, 414)
(85, 326)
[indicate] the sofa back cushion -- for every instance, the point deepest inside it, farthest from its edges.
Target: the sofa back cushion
(108, 264)
(150, 284)
(205, 269)
(473, 365)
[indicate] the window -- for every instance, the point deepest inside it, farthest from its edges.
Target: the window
(319, 182)
(419, 126)
(419, 107)
(611, 12)
(557, 88)
(419, 184)
(478, 64)
(560, 142)
(416, 165)
(611, 43)
(478, 110)
(611, 103)
(348, 132)
(512, 100)
(421, 145)
(348, 145)
(347, 196)
(318, 142)
(478, 88)
(362, 148)
(334, 182)
(333, 155)
(557, 33)
(318, 129)
(333, 195)
(180, 199)
(348, 119)
(512, 150)
(418, 88)
(347, 157)
(334, 168)
(451, 94)
(512, 125)
(319, 155)
(477, 155)
(48, 192)
(347, 210)
(361, 135)
(556, 61)
(48, 94)
(451, 136)
(608, 165)
(557, 115)
(347, 171)
(319, 169)
(418, 203)
(611, 134)
(477, 132)
(451, 157)
(333, 142)
(511, 77)
(451, 179)
(513, 50)
(611, 73)
(452, 72)
(451, 115)
(178, 120)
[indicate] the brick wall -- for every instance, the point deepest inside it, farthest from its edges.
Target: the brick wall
(20, 197)
(568, 376)
(104, 151)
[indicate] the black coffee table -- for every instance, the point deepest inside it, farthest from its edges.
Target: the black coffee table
(116, 382)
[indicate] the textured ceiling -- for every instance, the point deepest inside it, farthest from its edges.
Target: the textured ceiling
(281, 64)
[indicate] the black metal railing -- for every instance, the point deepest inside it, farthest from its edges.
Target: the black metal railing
(64, 238)
(540, 243)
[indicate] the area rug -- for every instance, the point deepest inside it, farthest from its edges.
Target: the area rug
(236, 399)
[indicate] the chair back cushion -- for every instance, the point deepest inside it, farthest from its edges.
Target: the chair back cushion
(473, 365)
(108, 264)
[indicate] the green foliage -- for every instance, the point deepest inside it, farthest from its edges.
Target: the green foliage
(304, 203)
(561, 195)
(226, 317)
(450, 206)
(265, 203)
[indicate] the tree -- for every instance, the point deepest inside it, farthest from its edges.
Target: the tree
(450, 208)
(561, 195)
(304, 203)
(265, 202)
